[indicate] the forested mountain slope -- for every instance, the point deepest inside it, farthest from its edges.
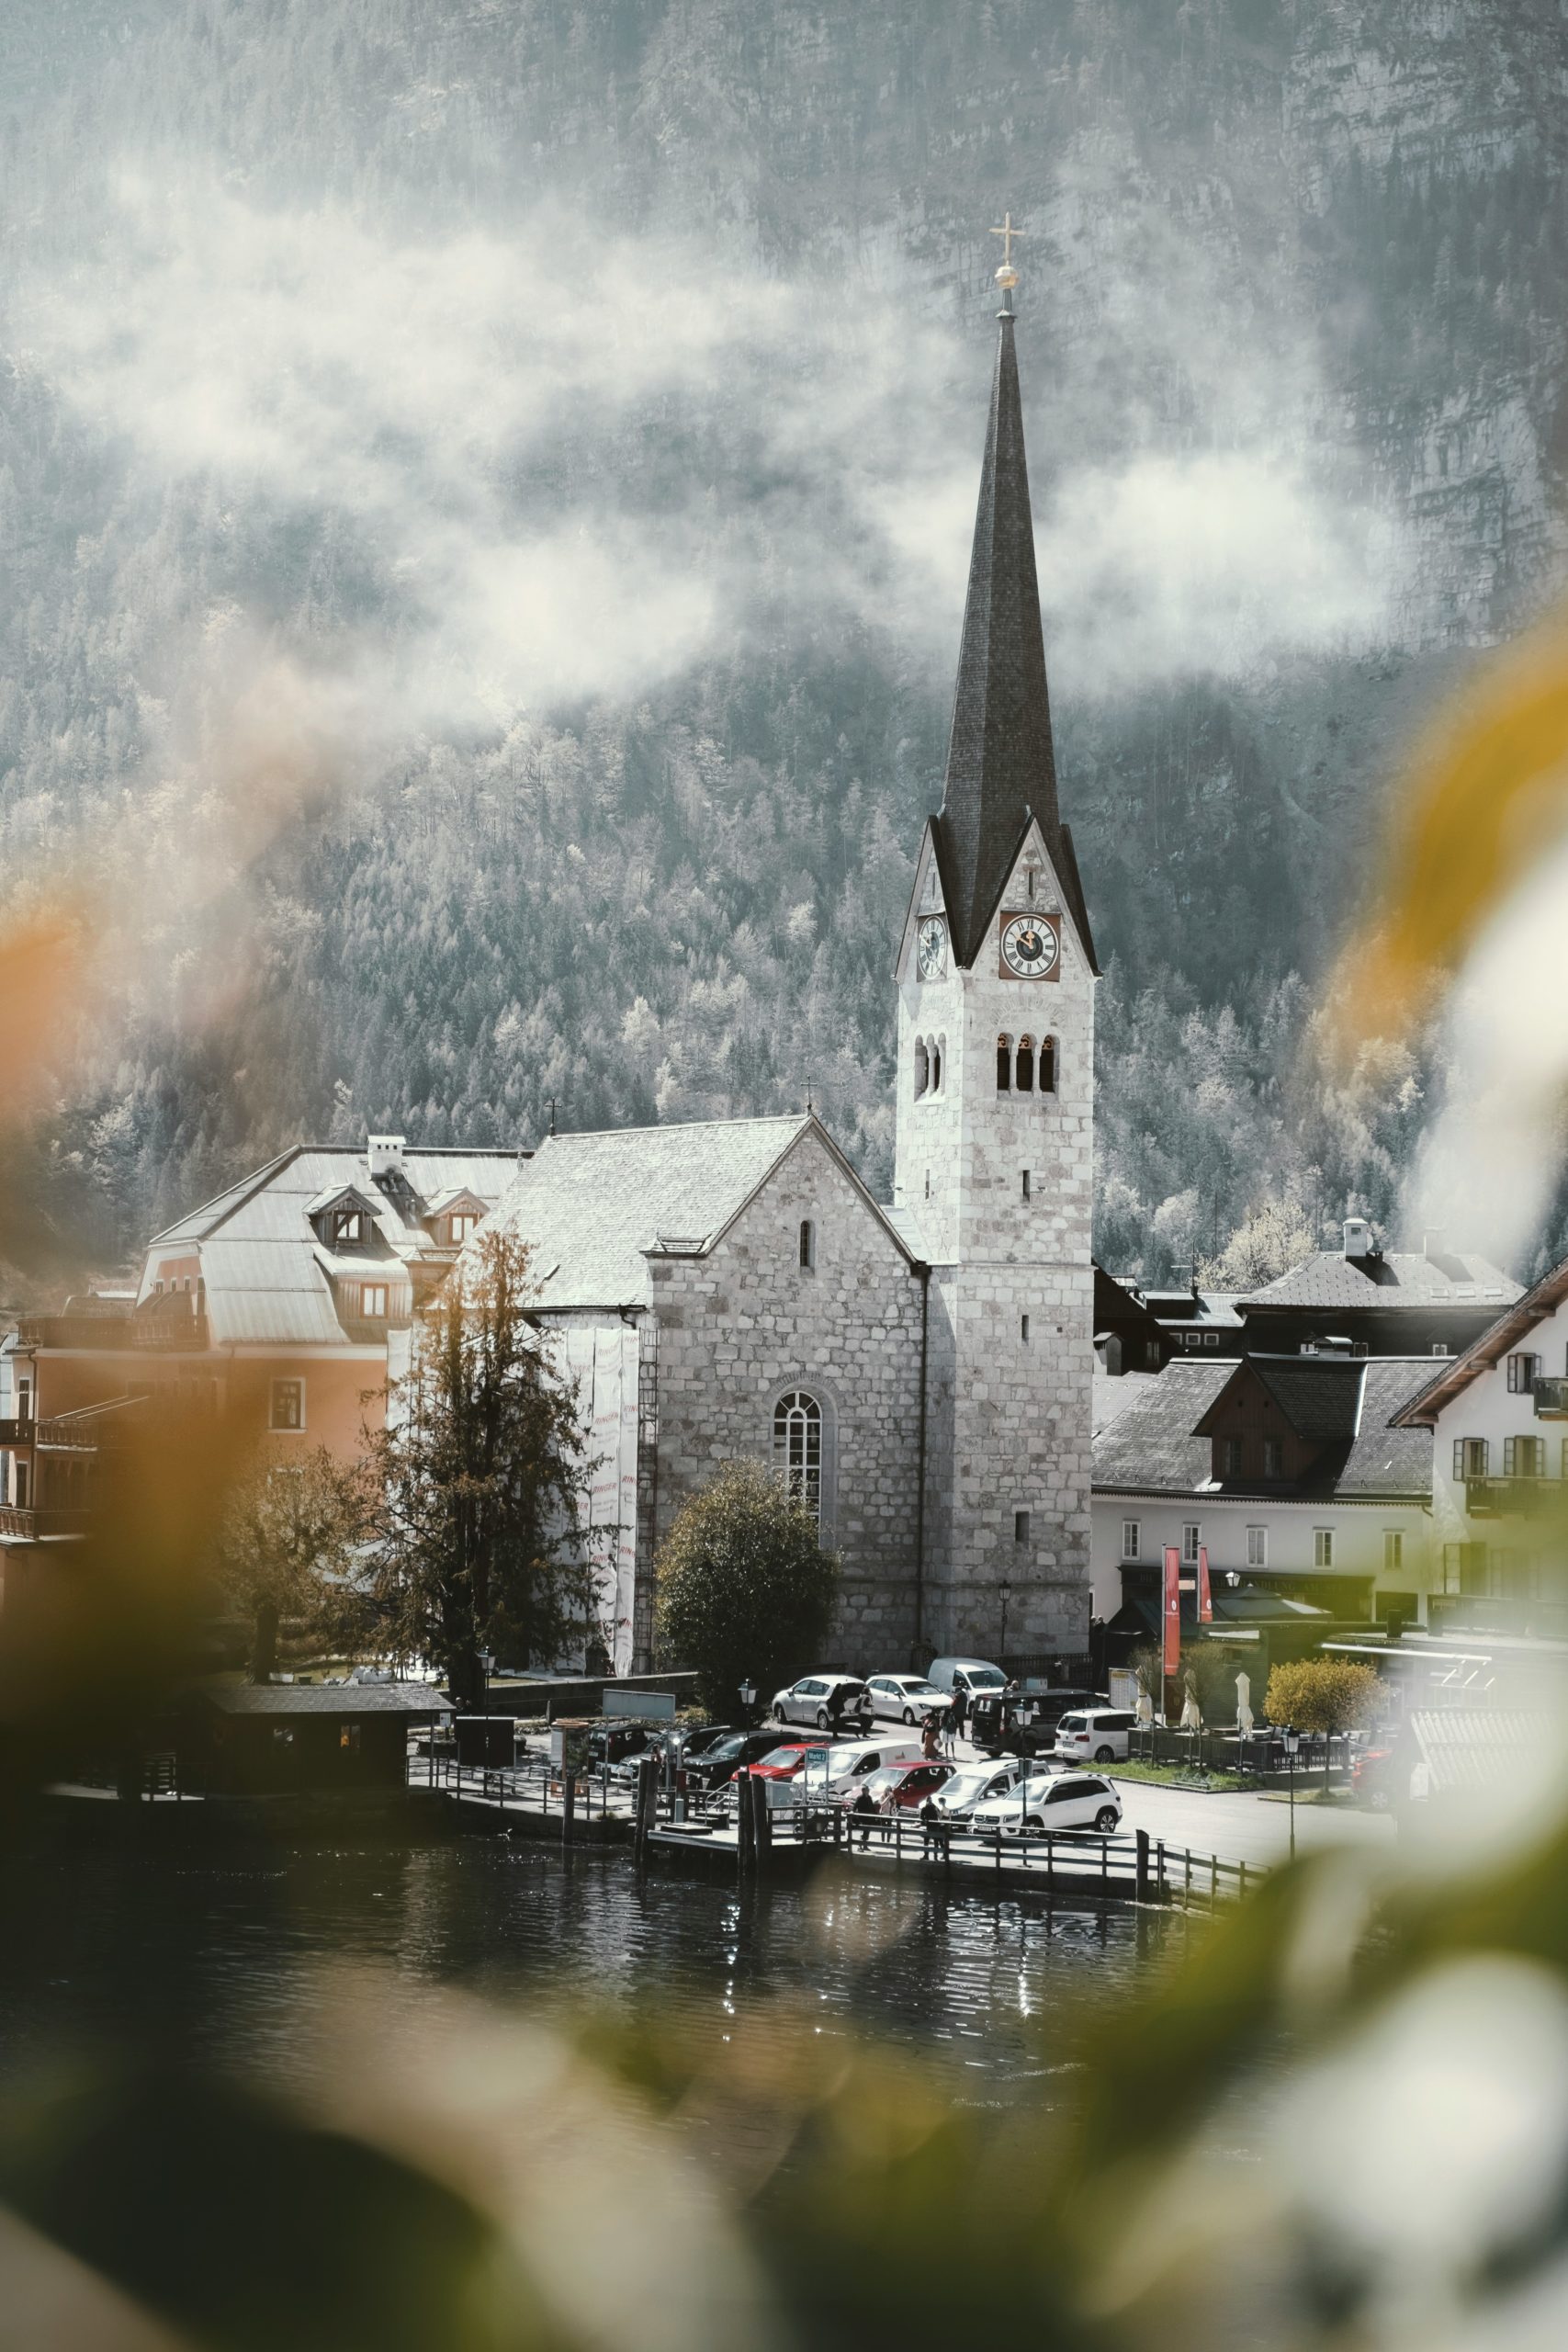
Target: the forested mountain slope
(484, 493)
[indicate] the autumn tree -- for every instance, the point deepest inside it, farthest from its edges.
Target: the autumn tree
(480, 1479)
(290, 1551)
(1324, 1694)
(745, 1589)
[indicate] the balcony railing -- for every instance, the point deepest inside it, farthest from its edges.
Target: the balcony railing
(1551, 1400)
(1453, 1613)
(110, 1333)
(1513, 1498)
(27, 1526)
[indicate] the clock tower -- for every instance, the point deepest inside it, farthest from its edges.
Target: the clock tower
(994, 1160)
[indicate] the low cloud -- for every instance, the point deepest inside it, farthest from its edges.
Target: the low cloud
(561, 468)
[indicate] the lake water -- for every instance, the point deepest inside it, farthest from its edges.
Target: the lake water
(122, 1946)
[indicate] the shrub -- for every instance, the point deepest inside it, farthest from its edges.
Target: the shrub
(745, 1589)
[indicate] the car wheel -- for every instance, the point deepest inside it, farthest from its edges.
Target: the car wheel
(1105, 1756)
(822, 1722)
(910, 1717)
(1034, 1827)
(1106, 1819)
(1377, 1801)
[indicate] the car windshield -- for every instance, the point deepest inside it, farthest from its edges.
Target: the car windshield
(1073, 1723)
(985, 1677)
(782, 1756)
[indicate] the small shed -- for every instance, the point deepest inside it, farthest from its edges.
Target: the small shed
(280, 1738)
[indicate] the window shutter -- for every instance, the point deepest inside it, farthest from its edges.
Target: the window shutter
(1458, 1458)
(1510, 1455)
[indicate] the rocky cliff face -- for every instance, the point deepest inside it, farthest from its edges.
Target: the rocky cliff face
(344, 330)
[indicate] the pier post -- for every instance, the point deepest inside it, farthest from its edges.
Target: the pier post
(745, 1821)
(762, 1826)
(1141, 1890)
(568, 1805)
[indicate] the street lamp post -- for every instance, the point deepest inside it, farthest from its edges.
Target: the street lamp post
(747, 1701)
(1293, 1741)
(487, 1661)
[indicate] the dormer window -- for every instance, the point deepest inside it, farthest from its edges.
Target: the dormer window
(348, 1227)
(460, 1224)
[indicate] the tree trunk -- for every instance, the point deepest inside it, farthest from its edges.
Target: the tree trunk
(264, 1642)
(465, 1681)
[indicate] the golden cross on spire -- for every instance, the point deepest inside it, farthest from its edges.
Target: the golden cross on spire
(1007, 232)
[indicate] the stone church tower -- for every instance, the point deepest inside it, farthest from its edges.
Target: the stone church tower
(994, 1163)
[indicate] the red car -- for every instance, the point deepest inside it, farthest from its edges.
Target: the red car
(904, 1787)
(788, 1760)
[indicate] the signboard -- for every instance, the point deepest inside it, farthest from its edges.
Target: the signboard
(1205, 1601)
(1121, 1687)
(568, 1745)
(1171, 1613)
(647, 1706)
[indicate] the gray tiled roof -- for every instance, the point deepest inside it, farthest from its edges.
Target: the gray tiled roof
(1399, 1278)
(589, 1205)
(1151, 1443)
(1465, 1747)
(264, 1272)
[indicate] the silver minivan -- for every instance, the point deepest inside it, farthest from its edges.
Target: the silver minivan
(973, 1676)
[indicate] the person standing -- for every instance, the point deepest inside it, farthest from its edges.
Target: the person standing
(864, 1810)
(955, 1719)
(930, 1738)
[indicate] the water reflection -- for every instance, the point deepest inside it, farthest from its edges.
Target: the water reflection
(208, 1954)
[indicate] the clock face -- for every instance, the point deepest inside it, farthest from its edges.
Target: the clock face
(1031, 946)
(932, 948)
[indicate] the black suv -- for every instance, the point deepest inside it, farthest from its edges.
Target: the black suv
(721, 1762)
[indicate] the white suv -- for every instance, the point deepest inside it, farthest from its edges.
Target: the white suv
(1094, 1736)
(1040, 1808)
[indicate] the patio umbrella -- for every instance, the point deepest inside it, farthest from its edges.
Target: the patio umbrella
(1191, 1714)
(1244, 1703)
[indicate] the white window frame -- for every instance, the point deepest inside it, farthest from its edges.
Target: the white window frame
(369, 1291)
(286, 1429)
(1191, 1542)
(1257, 1547)
(1393, 1550)
(1132, 1534)
(799, 1446)
(1323, 1547)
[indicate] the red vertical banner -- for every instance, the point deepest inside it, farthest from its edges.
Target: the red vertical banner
(1172, 1612)
(1205, 1605)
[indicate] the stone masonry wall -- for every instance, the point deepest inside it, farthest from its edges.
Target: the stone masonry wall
(1014, 1411)
(739, 1327)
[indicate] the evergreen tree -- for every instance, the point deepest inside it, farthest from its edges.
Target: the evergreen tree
(480, 1480)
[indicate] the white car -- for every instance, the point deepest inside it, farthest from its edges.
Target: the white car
(973, 1785)
(1095, 1734)
(904, 1698)
(1039, 1807)
(851, 1762)
(811, 1700)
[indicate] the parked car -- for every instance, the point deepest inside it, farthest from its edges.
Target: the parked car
(851, 1762)
(904, 1698)
(810, 1701)
(900, 1788)
(724, 1759)
(1002, 1726)
(1377, 1780)
(701, 1740)
(1042, 1707)
(1061, 1802)
(615, 1744)
(968, 1674)
(1098, 1733)
(973, 1784)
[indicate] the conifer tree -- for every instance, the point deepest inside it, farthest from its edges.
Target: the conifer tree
(480, 1478)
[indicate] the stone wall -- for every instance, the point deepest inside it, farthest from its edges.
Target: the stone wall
(1014, 1411)
(739, 1327)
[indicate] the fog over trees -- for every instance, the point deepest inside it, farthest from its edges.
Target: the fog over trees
(484, 496)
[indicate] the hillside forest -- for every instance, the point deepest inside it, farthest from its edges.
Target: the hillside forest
(484, 501)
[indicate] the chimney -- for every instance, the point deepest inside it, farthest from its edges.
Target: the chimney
(1358, 1236)
(1435, 1243)
(385, 1154)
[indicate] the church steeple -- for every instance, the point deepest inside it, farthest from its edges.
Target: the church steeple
(1000, 765)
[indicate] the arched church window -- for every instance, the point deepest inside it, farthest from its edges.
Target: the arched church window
(797, 1447)
(1047, 1064)
(807, 1245)
(922, 1067)
(937, 1058)
(1004, 1065)
(1026, 1065)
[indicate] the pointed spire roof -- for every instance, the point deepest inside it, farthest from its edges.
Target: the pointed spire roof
(1000, 765)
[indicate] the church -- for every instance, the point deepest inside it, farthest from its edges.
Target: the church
(920, 1370)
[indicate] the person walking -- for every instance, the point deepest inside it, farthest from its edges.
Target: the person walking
(931, 1826)
(865, 1810)
(930, 1739)
(955, 1722)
